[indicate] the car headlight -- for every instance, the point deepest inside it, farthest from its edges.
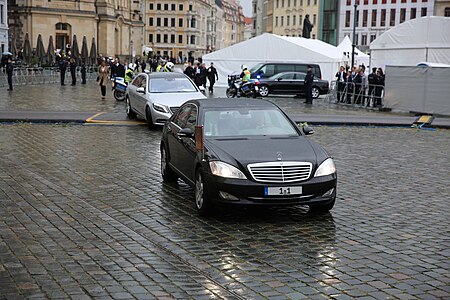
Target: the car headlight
(222, 169)
(160, 107)
(326, 168)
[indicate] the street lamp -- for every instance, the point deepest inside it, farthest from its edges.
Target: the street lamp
(354, 35)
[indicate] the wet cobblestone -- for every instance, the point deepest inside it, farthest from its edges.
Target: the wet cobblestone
(84, 214)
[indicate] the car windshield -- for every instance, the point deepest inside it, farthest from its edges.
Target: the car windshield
(255, 68)
(171, 85)
(247, 122)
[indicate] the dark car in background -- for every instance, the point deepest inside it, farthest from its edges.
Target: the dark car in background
(268, 69)
(291, 83)
(245, 152)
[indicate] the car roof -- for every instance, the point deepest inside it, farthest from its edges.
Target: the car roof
(232, 103)
(165, 75)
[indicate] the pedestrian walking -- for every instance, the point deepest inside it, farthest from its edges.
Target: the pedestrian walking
(103, 75)
(309, 79)
(62, 64)
(190, 72)
(373, 82)
(203, 75)
(212, 77)
(9, 72)
(143, 65)
(83, 73)
(73, 70)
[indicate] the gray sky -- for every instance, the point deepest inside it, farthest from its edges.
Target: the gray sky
(247, 7)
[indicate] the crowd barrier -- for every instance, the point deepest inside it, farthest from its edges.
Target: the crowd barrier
(38, 75)
(355, 94)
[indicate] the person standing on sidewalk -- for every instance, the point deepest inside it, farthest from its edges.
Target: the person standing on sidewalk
(103, 75)
(212, 77)
(309, 78)
(73, 70)
(62, 64)
(9, 72)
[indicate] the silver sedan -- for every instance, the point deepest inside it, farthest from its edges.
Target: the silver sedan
(156, 96)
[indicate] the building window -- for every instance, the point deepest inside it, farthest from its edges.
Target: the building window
(190, 9)
(158, 21)
(172, 38)
(276, 21)
(309, 2)
(393, 1)
(383, 18)
(172, 22)
(392, 21)
(289, 3)
(282, 21)
(150, 21)
(357, 18)
(402, 15)
(158, 6)
(347, 18)
(278, 2)
(413, 13)
(423, 12)
(193, 39)
(158, 38)
(364, 40)
(180, 7)
(282, 3)
(166, 6)
(372, 37)
(193, 23)
(150, 38)
(180, 22)
(180, 39)
(166, 38)
(374, 1)
(314, 19)
(447, 12)
(315, 2)
(293, 20)
(287, 21)
(374, 18)
(173, 6)
(151, 6)
(365, 15)
(300, 18)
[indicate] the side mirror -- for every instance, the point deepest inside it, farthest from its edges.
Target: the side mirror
(185, 132)
(140, 90)
(307, 130)
(279, 79)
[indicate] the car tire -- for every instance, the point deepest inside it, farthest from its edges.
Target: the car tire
(264, 90)
(148, 118)
(167, 173)
(322, 208)
(315, 92)
(202, 198)
(130, 112)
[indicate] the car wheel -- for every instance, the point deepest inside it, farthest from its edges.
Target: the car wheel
(202, 200)
(167, 173)
(322, 208)
(130, 112)
(148, 118)
(315, 92)
(264, 90)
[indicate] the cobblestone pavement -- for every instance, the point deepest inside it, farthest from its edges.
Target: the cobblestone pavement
(84, 214)
(53, 97)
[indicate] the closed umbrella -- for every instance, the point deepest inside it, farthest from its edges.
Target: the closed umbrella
(75, 51)
(13, 48)
(40, 50)
(93, 53)
(27, 52)
(50, 51)
(84, 51)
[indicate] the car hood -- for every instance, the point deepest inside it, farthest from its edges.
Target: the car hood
(174, 99)
(243, 151)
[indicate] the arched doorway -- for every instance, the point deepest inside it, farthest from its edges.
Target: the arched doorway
(63, 32)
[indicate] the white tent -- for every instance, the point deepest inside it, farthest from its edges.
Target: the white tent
(424, 39)
(274, 48)
(360, 57)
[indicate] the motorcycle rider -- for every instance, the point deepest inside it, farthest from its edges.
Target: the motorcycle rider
(245, 77)
(129, 73)
(168, 67)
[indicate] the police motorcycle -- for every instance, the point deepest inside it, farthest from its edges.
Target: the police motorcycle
(237, 88)
(120, 84)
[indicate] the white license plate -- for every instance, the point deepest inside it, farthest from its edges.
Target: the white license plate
(274, 191)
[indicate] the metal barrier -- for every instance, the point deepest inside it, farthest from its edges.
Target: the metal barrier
(356, 94)
(38, 75)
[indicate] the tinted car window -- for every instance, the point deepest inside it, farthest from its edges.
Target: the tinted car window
(182, 116)
(287, 76)
(301, 68)
(191, 119)
(285, 68)
(300, 76)
(137, 81)
(267, 70)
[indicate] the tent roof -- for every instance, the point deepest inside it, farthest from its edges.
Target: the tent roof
(268, 46)
(346, 46)
(426, 32)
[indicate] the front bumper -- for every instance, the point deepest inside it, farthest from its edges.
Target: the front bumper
(316, 190)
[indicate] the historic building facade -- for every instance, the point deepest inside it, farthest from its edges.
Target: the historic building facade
(3, 26)
(442, 8)
(116, 25)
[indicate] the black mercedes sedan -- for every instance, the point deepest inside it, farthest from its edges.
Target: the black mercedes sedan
(291, 83)
(245, 152)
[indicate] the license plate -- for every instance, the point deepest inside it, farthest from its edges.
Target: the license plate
(274, 191)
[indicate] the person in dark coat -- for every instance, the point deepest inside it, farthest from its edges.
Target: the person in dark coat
(73, 70)
(309, 78)
(190, 72)
(358, 81)
(83, 73)
(373, 82)
(62, 64)
(9, 72)
(341, 78)
(203, 75)
(307, 27)
(212, 77)
(380, 87)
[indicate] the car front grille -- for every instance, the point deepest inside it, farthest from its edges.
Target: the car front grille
(280, 171)
(173, 109)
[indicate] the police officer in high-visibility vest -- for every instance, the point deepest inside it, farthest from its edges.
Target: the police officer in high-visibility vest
(168, 67)
(245, 77)
(129, 73)
(161, 66)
